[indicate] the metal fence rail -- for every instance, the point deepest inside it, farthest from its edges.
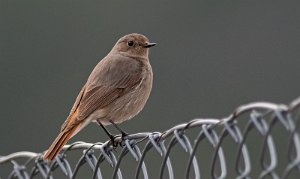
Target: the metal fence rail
(264, 132)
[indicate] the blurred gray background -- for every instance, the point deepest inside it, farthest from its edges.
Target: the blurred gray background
(211, 57)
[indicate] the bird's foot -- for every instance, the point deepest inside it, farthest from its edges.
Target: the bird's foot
(113, 140)
(123, 138)
(123, 135)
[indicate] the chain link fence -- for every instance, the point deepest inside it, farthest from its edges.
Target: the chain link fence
(258, 140)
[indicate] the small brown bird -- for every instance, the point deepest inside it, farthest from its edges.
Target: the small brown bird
(116, 90)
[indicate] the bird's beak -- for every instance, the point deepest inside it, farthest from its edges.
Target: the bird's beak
(148, 45)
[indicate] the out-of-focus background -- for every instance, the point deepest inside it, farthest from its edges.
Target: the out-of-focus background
(211, 57)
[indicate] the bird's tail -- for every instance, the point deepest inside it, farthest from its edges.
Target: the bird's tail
(58, 143)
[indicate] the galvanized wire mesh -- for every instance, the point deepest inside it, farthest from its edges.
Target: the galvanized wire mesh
(258, 140)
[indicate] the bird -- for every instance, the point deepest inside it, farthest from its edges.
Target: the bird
(116, 90)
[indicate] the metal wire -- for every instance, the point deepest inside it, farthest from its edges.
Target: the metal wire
(265, 120)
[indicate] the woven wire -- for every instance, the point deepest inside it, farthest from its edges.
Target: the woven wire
(228, 143)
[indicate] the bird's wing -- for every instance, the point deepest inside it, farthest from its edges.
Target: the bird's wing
(109, 80)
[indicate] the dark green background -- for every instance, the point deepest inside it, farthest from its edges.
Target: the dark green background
(211, 57)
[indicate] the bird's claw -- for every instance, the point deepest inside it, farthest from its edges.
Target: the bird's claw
(113, 141)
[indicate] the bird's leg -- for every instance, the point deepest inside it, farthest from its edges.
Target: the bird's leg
(119, 129)
(112, 138)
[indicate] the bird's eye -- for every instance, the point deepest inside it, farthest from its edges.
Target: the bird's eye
(130, 43)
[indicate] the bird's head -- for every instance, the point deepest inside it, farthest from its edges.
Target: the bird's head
(133, 45)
